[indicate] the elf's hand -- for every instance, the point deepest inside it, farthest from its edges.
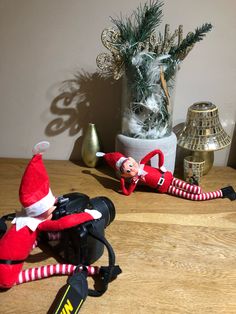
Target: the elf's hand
(135, 179)
(163, 169)
(94, 213)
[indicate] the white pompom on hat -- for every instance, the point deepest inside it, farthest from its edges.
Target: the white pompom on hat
(114, 160)
(35, 193)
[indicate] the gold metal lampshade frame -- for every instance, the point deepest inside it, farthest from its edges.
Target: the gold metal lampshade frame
(203, 133)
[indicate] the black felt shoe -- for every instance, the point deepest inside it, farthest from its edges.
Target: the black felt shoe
(229, 192)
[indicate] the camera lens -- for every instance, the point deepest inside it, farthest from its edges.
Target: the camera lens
(105, 206)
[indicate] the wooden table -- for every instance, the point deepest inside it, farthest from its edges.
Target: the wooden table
(177, 256)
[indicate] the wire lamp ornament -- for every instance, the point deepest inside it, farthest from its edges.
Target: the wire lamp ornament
(203, 133)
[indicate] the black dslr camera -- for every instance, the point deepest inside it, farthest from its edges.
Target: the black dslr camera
(83, 244)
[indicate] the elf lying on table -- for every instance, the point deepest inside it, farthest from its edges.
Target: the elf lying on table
(132, 173)
(38, 204)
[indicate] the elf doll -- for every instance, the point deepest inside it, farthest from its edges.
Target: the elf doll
(38, 203)
(132, 173)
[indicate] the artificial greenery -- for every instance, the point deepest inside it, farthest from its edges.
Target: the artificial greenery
(149, 60)
(177, 52)
(136, 29)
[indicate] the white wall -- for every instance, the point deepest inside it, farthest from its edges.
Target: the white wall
(44, 43)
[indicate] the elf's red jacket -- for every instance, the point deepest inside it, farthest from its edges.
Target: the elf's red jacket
(16, 245)
(154, 177)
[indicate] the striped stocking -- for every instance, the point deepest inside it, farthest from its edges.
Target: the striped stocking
(194, 197)
(36, 273)
(195, 189)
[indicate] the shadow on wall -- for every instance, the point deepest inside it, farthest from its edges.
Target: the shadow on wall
(181, 153)
(87, 98)
(232, 153)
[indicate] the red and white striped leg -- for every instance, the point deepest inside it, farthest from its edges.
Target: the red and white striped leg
(42, 272)
(191, 188)
(194, 197)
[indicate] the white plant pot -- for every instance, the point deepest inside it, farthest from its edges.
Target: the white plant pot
(138, 148)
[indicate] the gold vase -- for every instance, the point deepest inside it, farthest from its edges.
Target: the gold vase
(90, 146)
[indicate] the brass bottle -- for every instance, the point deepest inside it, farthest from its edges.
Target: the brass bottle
(90, 146)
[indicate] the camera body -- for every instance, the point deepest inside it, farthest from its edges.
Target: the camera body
(76, 245)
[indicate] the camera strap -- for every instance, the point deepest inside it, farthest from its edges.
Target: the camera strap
(76, 289)
(73, 294)
(107, 273)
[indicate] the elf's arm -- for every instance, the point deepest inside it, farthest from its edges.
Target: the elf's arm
(130, 189)
(69, 221)
(153, 153)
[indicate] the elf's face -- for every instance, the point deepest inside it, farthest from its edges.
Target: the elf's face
(129, 168)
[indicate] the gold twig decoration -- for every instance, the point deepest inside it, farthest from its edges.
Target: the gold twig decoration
(113, 63)
(165, 88)
(110, 63)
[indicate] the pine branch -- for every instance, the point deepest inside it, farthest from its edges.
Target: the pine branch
(147, 19)
(126, 42)
(137, 28)
(179, 52)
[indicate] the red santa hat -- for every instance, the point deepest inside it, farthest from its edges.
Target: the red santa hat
(114, 160)
(35, 193)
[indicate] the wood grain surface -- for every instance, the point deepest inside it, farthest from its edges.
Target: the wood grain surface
(177, 256)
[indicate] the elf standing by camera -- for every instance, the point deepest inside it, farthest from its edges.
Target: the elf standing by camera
(38, 204)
